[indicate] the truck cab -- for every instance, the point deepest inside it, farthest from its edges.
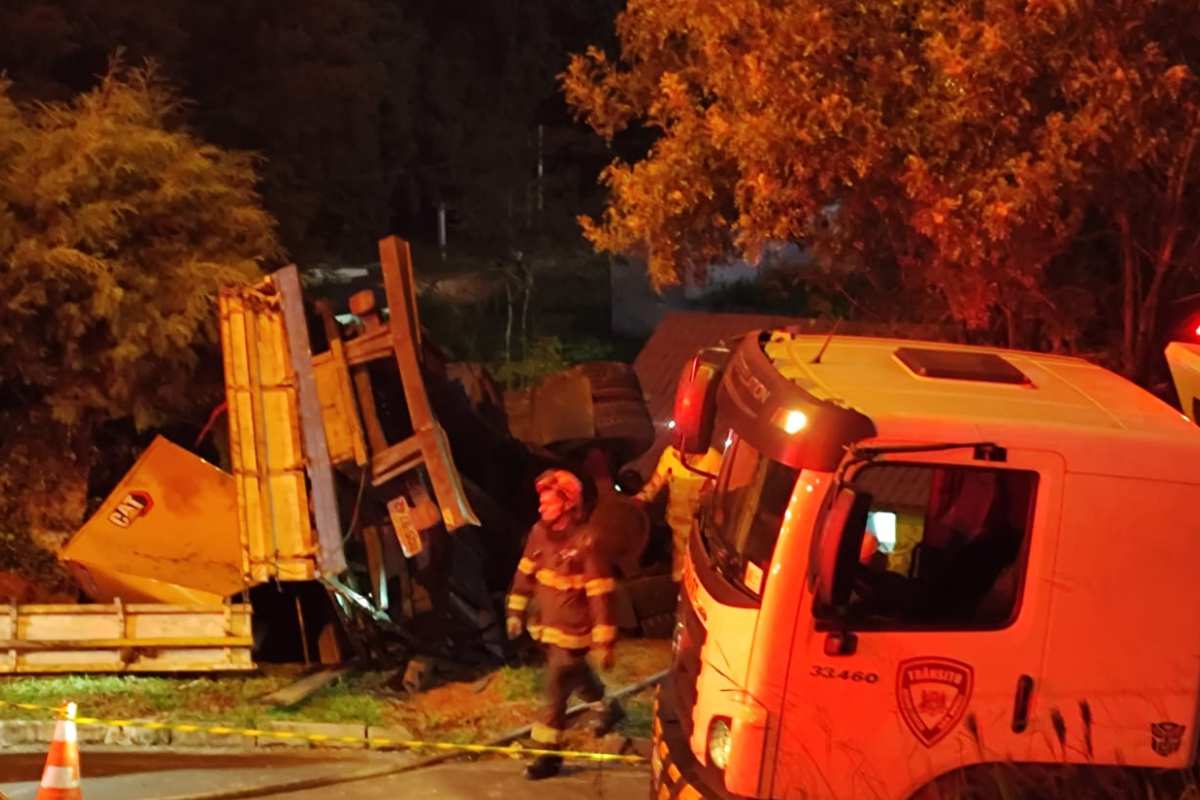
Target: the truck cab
(918, 558)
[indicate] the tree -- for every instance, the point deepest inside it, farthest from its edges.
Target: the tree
(323, 90)
(952, 153)
(487, 85)
(369, 113)
(117, 227)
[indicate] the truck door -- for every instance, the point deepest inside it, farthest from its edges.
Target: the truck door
(935, 663)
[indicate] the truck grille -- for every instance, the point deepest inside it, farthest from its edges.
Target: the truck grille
(686, 667)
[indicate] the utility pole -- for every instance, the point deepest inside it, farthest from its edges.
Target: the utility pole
(541, 171)
(442, 228)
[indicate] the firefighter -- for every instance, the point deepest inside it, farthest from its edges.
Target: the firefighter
(571, 587)
(683, 495)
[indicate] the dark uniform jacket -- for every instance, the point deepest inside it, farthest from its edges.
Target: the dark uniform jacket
(570, 585)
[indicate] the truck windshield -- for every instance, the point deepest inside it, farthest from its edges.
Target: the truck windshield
(745, 512)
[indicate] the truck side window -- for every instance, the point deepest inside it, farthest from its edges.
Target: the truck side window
(944, 546)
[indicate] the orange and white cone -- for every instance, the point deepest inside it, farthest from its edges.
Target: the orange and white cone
(60, 779)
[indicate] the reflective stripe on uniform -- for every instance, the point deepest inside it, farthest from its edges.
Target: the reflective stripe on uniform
(544, 734)
(526, 566)
(557, 580)
(556, 636)
(518, 602)
(604, 634)
(599, 586)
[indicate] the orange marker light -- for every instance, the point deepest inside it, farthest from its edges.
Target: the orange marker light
(794, 422)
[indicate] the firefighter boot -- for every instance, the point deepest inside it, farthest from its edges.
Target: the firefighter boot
(543, 767)
(609, 719)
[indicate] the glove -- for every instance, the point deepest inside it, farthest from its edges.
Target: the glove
(603, 656)
(514, 626)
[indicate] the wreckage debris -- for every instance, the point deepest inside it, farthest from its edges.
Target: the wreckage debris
(375, 495)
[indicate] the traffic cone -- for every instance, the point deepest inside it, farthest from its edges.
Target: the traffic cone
(60, 779)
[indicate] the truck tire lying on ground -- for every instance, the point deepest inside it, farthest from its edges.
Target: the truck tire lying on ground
(653, 599)
(660, 626)
(619, 407)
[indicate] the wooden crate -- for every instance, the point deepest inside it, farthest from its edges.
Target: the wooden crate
(143, 637)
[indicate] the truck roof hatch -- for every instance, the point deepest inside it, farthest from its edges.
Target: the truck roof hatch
(962, 365)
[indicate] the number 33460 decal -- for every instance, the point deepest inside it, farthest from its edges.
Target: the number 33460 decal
(845, 675)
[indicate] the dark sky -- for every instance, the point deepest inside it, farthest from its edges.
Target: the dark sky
(368, 112)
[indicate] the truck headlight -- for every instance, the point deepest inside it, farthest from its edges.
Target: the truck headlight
(720, 741)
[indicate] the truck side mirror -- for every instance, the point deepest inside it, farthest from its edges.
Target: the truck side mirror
(695, 405)
(841, 539)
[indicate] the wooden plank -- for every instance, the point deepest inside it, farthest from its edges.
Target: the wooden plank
(265, 440)
(135, 667)
(396, 263)
(259, 466)
(115, 638)
(320, 470)
(399, 458)
(369, 346)
(329, 647)
(301, 690)
(374, 548)
(105, 644)
(85, 609)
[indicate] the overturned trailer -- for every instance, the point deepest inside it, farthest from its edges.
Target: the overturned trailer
(374, 495)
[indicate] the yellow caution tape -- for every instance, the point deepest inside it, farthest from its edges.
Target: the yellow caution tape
(514, 750)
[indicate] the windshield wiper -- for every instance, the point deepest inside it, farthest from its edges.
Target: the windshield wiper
(984, 451)
(724, 559)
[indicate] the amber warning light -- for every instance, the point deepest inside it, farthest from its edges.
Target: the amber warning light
(792, 420)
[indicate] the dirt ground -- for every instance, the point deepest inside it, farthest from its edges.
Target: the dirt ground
(471, 707)
(511, 697)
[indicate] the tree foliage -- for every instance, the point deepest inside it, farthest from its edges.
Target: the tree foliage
(117, 227)
(116, 230)
(955, 153)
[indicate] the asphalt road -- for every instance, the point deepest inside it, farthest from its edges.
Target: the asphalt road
(165, 775)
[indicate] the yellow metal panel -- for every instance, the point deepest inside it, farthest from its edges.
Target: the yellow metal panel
(168, 532)
(264, 431)
(105, 587)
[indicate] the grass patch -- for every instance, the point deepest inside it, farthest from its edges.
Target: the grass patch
(517, 684)
(137, 696)
(339, 703)
(456, 711)
(232, 699)
(466, 735)
(639, 716)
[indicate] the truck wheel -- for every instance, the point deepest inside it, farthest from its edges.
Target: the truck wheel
(619, 410)
(611, 380)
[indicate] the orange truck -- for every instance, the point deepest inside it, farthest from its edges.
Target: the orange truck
(919, 560)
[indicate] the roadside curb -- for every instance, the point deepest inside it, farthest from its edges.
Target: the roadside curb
(18, 734)
(15, 733)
